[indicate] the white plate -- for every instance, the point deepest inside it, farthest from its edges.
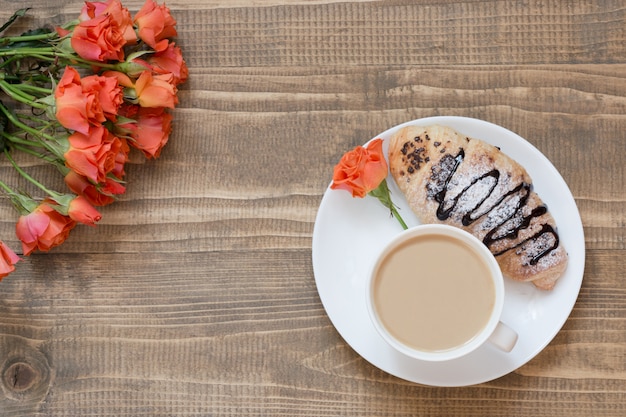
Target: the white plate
(349, 232)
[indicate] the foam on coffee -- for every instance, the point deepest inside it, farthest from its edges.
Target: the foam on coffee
(433, 293)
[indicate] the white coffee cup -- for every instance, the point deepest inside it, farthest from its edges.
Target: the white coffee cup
(436, 293)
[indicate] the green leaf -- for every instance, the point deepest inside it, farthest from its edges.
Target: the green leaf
(16, 15)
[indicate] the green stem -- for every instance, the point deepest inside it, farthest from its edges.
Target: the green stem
(50, 53)
(395, 213)
(43, 53)
(28, 38)
(17, 140)
(39, 155)
(28, 177)
(85, 63)
(18, 94)
(22, 203)
(53, 53)
(383, 195)
(8, 62)
(35, 89)
(50, 143)
(30, 130)
(6, 188)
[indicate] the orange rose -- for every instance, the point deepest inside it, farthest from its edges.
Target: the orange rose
(97, 194)
(168, 61)
(122, 79)
(8, 259)
(99, 39)
(361, 170)
(91, 9)
(81, 210)
(121, 16)
(149, 129)
(88, 101)
(43, 228)
(104, 96)
(155, 24)
(121, 157)
(156, 90)
(150, 90)
(93, 155)
(71, 104)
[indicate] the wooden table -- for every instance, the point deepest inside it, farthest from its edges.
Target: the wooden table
(195, 295)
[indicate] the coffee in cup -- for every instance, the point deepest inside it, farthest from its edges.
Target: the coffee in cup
(436, 293)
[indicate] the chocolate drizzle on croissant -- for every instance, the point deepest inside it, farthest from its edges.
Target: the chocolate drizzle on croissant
(445, 208)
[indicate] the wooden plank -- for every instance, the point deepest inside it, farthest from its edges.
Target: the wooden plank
(195, 294)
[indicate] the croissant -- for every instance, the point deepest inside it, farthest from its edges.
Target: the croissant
(450, 178)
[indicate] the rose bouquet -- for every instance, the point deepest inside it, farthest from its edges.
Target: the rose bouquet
(81, 97)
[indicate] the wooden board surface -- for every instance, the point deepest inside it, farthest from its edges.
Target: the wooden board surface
(195, 294)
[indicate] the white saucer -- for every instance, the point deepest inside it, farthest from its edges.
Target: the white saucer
(349, 232)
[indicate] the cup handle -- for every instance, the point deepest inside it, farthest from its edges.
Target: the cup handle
(503, 337)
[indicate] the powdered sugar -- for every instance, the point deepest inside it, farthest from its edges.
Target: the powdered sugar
(472, 189)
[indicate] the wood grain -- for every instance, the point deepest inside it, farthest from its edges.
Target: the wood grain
(195, 295)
